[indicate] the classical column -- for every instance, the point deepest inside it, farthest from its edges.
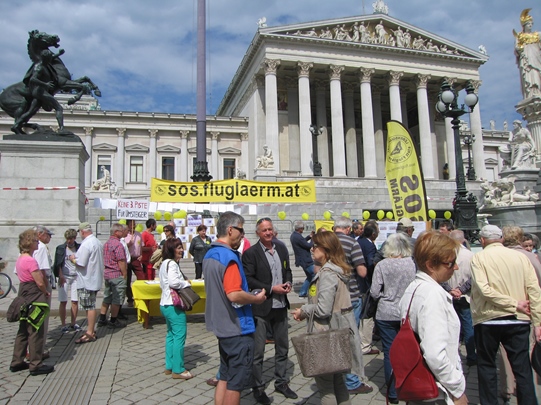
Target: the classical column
(337, 122)
(88, 165)
(478, 148)
(378, 132)
(305, 117)
(437, 151)
(404, 106)
(293, 106)
(121, 157)
(369, 141)
(215, 136)
(427, 159)
(394, 95)
(183, 169)
(243, 154)
(152, 154)
(257, 125)
(351, 133)
(323, 138)
(271, 111)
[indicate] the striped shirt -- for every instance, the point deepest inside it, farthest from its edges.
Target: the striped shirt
(354, 256)
(113, 252)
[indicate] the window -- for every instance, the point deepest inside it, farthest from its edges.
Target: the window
(168, 168)
(229, 168)
(136, 169)
(105, 161)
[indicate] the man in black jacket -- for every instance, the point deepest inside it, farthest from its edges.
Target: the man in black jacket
(303, 256)
(64, 269)
(266, 265)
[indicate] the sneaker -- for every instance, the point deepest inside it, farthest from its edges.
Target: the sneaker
(65, 329)
(115, 324)
(75, 327)
(103, 322)
(361, 389)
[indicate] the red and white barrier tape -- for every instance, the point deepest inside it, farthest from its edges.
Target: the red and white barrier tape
(45, 188)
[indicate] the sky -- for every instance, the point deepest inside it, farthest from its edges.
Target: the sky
(142, 53)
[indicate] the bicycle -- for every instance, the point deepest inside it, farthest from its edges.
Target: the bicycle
(5, 281)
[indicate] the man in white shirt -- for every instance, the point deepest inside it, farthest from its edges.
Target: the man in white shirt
(89, 265)
(45, 263)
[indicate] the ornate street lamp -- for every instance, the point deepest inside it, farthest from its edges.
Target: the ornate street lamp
(465, 205)
(315, 133)
(468, 141)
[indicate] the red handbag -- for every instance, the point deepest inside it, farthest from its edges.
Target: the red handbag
(413, 379)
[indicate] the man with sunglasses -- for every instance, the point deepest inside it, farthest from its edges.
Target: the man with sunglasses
(266, 264)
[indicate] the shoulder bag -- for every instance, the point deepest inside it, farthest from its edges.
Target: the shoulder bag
(184, 298)
(413, 379)
(323, 352)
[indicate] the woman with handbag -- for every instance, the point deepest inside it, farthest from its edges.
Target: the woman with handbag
(198, 247)
(172, 278)
(433, 318)
(330, 305)
(391, 277)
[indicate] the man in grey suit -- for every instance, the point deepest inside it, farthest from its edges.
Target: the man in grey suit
(266, 265)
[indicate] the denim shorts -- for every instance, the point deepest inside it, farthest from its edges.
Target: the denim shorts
(115, 291)
(87, 299)
(236, 359)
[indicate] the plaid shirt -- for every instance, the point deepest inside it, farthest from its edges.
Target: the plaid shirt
(113, 252)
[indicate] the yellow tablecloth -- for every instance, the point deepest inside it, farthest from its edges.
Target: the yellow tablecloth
(147, 297)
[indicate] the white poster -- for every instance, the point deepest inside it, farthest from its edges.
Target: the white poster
(132, 209)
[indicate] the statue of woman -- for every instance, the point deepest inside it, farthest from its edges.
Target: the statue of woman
(528, 54)
(522, 146)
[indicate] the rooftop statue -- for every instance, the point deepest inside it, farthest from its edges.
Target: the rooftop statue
(46, 76)
(528, 54)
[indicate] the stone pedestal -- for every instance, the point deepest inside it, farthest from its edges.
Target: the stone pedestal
(265, 175)
(524, 178)
(42, 183)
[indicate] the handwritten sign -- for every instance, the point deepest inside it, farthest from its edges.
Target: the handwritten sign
(132, 209)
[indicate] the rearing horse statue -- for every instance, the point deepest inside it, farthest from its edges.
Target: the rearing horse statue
(47, 76)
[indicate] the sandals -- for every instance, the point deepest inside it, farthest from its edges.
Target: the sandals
(86, 338)
(185, 375)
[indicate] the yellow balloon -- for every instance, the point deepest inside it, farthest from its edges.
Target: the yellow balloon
(122, 221)
(305, 217)
(139, 228)
(447, 214)
(159, 228)
(327, 215)
(282, 215)
(366, 215)
(431, 214)
(183, 213)
(345, 214)
(102, 218)
(167, 216)
(381, 214)
(158, 215)
(389, 215)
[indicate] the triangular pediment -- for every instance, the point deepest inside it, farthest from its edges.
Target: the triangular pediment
(374, 31)
(137, 148)
(194, 151)
(104, 147)
(168, 149)
(229, 151)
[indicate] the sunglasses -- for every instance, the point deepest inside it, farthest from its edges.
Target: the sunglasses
(241, 230)
(263, 219)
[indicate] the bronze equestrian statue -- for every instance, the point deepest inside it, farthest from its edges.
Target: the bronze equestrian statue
(47, 76)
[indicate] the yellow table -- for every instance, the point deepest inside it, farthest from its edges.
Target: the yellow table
(147, 297)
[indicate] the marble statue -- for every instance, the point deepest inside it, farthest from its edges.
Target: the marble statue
(46, 76)
(265, 161)
(381, 34)
(262, 22)
(399, 36)
(492, 125)
(528, 54)
(380, 7)
(483, 49)
(522, 147)
(104, 183)
(503, 193)
(505, 126)
(240, 174)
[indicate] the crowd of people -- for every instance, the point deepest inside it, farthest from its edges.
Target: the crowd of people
(489, 300)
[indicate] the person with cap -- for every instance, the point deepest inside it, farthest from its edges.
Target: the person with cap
(89, 266)
(506, 299)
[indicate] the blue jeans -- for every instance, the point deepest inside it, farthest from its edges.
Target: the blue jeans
(388, 331)
(309, 271)
(175, 318)
(352, 380)
(463, 311)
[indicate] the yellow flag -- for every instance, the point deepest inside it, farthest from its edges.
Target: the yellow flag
(405, 180)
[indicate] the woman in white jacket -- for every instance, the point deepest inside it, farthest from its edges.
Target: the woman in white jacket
(433, 317)
(175, 317)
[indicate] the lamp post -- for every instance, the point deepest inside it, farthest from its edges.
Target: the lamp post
(465, 205)
(468, 141)
(315, 133)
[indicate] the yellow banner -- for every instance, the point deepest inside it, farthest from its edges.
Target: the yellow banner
(324, 224)
(404, 177)
(234, 191)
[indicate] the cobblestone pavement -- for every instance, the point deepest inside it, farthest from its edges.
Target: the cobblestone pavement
(125, 366)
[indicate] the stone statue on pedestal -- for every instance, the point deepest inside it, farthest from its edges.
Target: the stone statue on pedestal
(104, 183)
(265, 161)
(503, 193)
(528, 54)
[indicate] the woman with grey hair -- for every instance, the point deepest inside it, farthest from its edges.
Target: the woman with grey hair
(391, 278)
